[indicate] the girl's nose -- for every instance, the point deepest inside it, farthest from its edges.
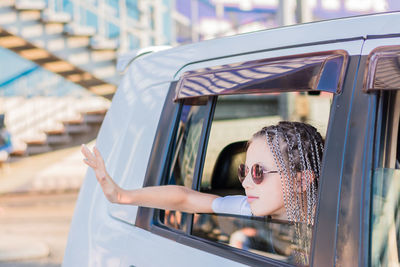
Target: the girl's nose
(247, 182)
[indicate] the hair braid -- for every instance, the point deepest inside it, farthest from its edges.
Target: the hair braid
(297, 148)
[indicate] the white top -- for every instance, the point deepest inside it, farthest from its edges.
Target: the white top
(236, 205)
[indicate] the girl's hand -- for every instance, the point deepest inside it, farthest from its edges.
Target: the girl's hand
(94, 160)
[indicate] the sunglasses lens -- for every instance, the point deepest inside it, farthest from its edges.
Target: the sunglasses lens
(257, 172)
(242, 172)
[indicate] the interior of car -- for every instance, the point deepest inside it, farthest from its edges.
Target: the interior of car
(224, 179)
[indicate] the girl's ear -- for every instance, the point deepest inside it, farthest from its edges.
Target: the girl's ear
(302, 178)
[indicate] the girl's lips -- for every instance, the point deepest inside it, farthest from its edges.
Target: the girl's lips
(251, 198)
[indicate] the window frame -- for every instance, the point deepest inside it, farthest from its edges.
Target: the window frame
(340, 224)
(155, 226)
(210, 106)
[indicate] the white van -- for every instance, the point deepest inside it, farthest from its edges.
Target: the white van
(183, 115)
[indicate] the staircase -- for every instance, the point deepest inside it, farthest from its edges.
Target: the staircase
(78, 40)
(51, 38)
(41, 124)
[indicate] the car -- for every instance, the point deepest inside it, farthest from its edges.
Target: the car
(183, 116)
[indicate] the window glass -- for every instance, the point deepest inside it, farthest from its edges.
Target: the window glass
(259, 235)
(385, 217)
(236, 119)
(184, 158)
(385, 244)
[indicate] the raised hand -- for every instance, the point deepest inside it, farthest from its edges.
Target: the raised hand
(95, 161)
(171, 197)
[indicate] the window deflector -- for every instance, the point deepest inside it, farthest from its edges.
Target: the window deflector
(383, 69)
(322, 71)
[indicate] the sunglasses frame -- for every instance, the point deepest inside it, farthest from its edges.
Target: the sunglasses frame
(256, 180)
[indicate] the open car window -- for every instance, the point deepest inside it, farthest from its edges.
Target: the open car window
(219, 110)
(236, 119)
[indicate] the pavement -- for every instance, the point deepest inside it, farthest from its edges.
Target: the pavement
(14, 249)
(56, 171)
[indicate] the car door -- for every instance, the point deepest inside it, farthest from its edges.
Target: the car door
(369, 169)
(200, 107)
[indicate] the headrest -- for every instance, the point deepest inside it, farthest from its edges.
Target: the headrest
(224, 175)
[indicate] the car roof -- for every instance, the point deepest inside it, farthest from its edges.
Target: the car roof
(164, 65)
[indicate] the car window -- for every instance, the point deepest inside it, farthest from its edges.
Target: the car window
(184, 157)
(236, 119)
(385, 217)
(221, 108)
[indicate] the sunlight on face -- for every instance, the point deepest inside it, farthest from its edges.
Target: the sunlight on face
(265, 198)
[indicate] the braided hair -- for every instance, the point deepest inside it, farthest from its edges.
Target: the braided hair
(297, 150)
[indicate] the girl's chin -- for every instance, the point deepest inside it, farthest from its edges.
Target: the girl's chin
(256, 212)
(261, 213)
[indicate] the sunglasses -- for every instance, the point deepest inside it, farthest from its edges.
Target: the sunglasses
(257, 173)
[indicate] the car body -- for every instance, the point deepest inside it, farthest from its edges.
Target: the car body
(352, 60)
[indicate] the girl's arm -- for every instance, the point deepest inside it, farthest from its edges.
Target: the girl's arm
(171, 197)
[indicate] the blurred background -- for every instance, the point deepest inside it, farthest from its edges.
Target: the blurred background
(58, 74)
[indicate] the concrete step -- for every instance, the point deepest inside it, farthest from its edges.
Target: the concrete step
(30, 4)
(100, 43)
(48, 39)
(76, 128)
(58, 139)
(49, 16)
(34, 138)
(54, 122)
(79, 30)
(34, 149)
(19, 148)
(95, 117)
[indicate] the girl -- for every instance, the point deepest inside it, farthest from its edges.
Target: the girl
(280, 178)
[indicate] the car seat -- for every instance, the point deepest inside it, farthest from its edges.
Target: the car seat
(224, 179)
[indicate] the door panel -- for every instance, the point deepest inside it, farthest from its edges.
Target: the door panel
(354, 201)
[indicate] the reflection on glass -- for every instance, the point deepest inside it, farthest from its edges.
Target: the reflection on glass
(279, 240)
(385, 240)
(184, 159)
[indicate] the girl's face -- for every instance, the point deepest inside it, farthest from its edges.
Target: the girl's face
(265, 198)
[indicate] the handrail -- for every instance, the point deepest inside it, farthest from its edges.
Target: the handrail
(18, 76)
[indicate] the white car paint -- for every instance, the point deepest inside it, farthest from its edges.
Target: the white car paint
(103, 234)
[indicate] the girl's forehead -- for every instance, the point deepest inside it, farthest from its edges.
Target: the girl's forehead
(258, 142)
(258, 151)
